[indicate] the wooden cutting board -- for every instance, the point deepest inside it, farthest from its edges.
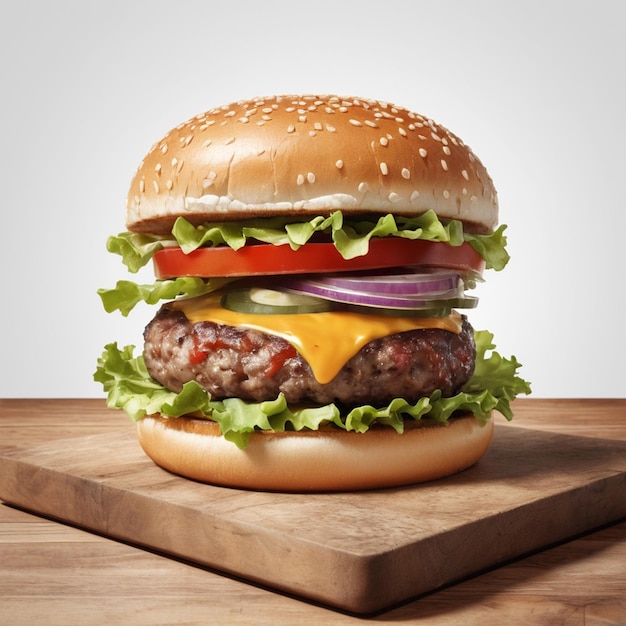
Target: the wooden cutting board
(358, 552)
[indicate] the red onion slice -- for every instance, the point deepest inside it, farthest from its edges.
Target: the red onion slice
(379, 300)
(406, 284)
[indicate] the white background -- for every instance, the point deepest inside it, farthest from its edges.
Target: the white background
(536, 88)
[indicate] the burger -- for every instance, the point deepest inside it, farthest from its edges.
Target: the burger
(314, 260)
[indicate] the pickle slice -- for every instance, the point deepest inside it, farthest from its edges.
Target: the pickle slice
(263, 301)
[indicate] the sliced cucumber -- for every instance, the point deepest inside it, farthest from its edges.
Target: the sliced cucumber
(263, 301)
(439, 311)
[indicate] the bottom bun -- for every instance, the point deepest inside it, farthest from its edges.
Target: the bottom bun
(325, 460)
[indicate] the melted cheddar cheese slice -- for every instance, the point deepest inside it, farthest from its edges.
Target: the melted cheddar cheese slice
(326, 340)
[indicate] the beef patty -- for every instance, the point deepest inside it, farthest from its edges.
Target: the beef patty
(238, 362)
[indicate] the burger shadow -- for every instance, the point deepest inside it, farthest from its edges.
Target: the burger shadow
(521, 456)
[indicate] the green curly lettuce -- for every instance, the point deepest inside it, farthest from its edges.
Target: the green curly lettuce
(350, 236)
(126, 294)
(129, 387)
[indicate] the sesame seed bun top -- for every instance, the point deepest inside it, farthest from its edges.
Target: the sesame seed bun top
(308, 155)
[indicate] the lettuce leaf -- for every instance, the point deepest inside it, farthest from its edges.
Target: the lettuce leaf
(135, 249)
(127, 294)
(129, 387)
(491, 247)
(497, 374)
(351, 236)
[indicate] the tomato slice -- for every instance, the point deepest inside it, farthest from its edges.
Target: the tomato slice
(267, 259)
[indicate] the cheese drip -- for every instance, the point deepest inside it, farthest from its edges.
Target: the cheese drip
(326, 340)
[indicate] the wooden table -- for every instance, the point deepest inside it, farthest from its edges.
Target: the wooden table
(51, 573)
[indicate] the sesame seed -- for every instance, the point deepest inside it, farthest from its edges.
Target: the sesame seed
(142, 185)
(402, 131)
(302, 118)
(339, 164)
(446, 194)
(169, 184)
(465, 174)
(179, 166)
(207, 143)
(331, 129)
(300, 180)
(371, 124)
(188, 139)
(393, 197)
(229, 141)
(446, 150)
(157, 169)
(384, 141)
(163, 148)
(310, 177)
(355, 122)
(423, 152)
(406, 173)
(444, 165)
(156, 186)
(244, 120)
(415, 195)
(209, 180)
(384, 170)
(312, 133)
(291, 128)
(318, 126)
(363, 187)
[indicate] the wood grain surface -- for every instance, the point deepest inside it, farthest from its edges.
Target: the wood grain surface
(52, 573)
